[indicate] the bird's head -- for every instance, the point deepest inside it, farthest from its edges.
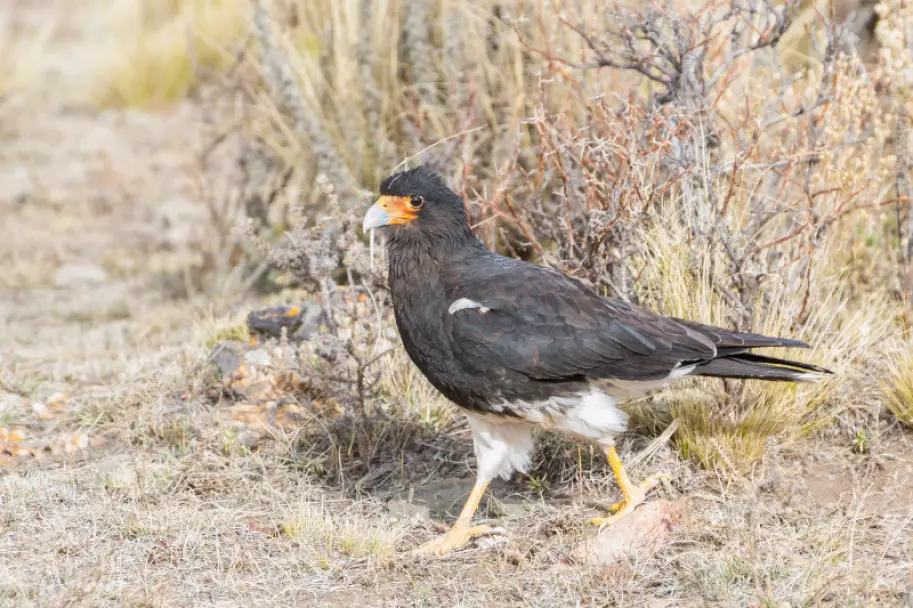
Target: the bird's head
(417, 204)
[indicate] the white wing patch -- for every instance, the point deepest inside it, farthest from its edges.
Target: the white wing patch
(464, 303)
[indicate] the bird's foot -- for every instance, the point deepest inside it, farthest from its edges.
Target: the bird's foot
(633, 497)
(455, 538)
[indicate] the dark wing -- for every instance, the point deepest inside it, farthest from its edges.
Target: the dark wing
(548, 326)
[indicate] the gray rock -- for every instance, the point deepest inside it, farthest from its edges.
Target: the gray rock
(71, 275)
(508, 509)
(226, 356)
(404, 509)
(299, 321)
(644, 532)
(313, 318)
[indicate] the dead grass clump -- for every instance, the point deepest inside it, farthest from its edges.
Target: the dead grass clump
(374, 83)
(326, 535)
(161, 51)
(898, 385)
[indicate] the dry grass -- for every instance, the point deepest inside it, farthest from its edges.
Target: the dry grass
(321, 531)
(726, 425)
(898, 385)
(403, 76)
(163, 50)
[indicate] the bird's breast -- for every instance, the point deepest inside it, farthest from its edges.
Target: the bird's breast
(420, 311)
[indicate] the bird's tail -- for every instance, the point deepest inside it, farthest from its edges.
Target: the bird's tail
(760, 367)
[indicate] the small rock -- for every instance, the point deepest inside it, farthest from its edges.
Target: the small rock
(42, 410)
(497, 536)
(313, 318)
(79, 274)
(79, 441)
(258, 357)
(300, 321)
(643, 531)
(256, 530)
(56, 401)
(404, 509)
(226, 356)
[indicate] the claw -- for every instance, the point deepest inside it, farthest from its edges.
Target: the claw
(454, 539)
(634, 494)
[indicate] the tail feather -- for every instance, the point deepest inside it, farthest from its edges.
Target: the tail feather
(734, 341)
(756, 358)
(760, 367)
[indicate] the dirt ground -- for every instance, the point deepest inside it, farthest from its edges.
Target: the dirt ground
(122, 483)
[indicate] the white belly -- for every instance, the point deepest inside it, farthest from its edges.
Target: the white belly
(504, 444)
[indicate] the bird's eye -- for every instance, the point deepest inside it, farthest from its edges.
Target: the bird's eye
(416, 202)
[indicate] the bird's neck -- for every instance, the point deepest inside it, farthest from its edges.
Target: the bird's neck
(425, 255)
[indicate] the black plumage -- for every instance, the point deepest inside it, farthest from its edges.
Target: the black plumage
(537, 333)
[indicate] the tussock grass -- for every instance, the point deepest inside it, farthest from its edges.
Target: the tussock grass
(381, 81)
(326, 535)
(161, 51)
(898, 384)
(726, 425)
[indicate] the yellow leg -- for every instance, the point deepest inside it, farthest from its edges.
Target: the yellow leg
(633, 494)
(461, 532)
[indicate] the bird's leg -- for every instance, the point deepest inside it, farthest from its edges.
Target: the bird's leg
(633, 494)
(461, 532)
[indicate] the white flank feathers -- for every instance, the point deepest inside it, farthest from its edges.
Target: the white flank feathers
(594, 417)
(502, 445)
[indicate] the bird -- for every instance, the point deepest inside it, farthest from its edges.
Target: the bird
(521, 347)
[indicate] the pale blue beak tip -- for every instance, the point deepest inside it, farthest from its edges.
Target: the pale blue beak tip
(375, 218)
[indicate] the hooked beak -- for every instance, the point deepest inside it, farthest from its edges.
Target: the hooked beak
(375, 218)
(389, 211)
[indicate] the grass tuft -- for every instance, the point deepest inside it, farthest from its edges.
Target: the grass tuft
(163, 50)
(898, 385)
(237, 332)
(327, 536)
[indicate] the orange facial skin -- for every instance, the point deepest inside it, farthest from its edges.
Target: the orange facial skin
(399, 208)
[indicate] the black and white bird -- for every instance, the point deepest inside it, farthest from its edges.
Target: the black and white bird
(521, 347)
